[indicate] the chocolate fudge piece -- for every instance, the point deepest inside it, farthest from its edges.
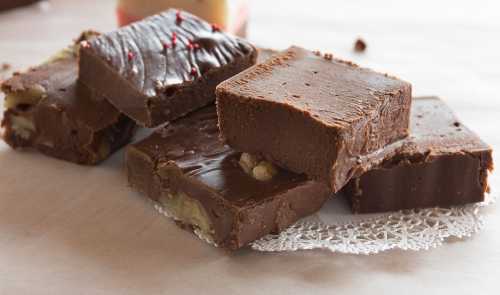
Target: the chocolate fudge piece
(47, 109)
(228, 198)
(9, 4)
(163, 67)
(313, 114)
(441, 164)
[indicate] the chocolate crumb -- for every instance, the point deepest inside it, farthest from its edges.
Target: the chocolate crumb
(328, 56)
(360, 45)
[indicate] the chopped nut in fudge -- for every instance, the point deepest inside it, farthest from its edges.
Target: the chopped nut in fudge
(227, 197)
(47, 109)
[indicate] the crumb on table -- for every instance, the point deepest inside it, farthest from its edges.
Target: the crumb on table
(360, 45)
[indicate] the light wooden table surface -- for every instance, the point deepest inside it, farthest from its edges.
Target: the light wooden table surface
(66, 229)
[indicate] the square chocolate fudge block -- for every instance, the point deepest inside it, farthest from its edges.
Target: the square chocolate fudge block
(441, 164)
(313, 114)
(164, 66)
(229, 198)
(47, 109)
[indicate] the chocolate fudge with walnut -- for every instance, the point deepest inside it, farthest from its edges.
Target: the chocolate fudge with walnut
(313, 113)
(49, 110)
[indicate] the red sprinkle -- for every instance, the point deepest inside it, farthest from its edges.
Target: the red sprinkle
(215, 27)
(194, 71)
(130, 55)
(192, 45)
(174, 39)
(166, 45)
(178, 16)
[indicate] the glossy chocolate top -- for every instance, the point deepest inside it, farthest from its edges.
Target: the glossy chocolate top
(166, 50)
(193, 144)
(333, 91)
(58, 80)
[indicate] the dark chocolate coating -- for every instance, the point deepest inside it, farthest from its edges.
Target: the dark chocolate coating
(313, 114)
(72, 123)
(153, 84)
(441, 164)
(188, 157)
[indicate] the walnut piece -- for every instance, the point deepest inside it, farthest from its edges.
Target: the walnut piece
(30, 96)
(265, 171)
(248, 162)
(22, 126)
(260, 170)
(188, 211)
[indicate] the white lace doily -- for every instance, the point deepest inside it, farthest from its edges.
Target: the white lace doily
(335, 229)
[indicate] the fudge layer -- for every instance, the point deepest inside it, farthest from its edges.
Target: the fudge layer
(312, 113)
(163, 67)
(442, 163)
(47, 109)
(229, 198)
